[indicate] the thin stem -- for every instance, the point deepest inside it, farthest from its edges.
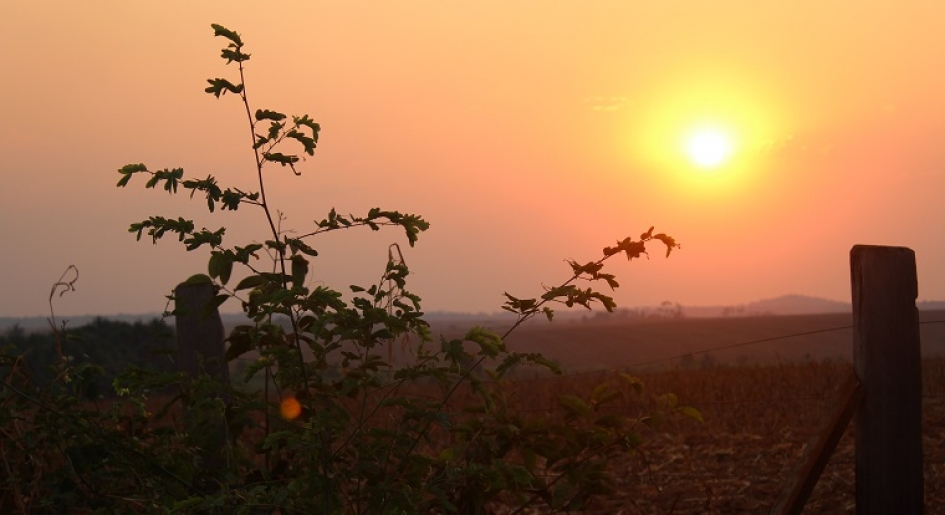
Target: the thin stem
(353, 225)
(259, 162)
(275, 232)
(537, 307)
(66, 286)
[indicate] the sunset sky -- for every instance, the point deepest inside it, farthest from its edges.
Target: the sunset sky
(526, 132)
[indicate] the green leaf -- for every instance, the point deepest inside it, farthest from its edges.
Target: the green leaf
(305, 121)
(221, 265)
(634, 382)
(276, 245)
(220, 30)
(265, 114)
(127, 171)
(670, 399)
(240, 343)
(212, 306)
(609, 421)
(668, 241)
(280, 158)
(221, 86)
(691, 412)
(233, 55)
(251, 281)
(299, 270)
(274, 129)
(157, 226)
(600, 391)
(204, 237)
(490, 343)
(231, 199)
(133, 168)
(297, 245)
(198, 279)
(447, 455)
(575, 406)
(611, 281)
(307, 142)
(653, 420)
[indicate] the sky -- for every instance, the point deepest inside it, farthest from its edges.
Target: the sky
(527, 133)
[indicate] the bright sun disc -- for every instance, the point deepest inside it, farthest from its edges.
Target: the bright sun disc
(708, 148)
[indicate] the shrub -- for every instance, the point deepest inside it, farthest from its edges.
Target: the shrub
(441, 434)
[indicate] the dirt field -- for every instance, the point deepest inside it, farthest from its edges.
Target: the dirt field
(758, 420)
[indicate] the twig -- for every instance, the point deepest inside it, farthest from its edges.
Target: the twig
(66, 287)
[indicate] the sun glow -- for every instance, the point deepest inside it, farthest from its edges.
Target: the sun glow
(709, 147)
(704, 131)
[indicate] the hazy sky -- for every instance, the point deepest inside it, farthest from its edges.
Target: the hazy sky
(526, 132)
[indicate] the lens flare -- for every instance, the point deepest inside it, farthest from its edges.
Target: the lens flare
(289, 408)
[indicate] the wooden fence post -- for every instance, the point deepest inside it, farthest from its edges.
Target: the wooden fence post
(200, 350)
(200, 333)
(887, 361)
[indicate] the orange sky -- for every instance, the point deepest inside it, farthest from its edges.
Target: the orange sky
(525, 132)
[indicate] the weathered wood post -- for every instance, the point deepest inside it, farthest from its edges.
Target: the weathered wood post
(200, 332)
(886, 358)
(200, 350)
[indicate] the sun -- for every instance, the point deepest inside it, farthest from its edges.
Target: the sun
(708, 148)
(705, 130)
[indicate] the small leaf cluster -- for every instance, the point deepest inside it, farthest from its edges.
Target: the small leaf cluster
(226, 199)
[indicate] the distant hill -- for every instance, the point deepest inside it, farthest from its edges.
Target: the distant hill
(798, 305)
(807, 305)
(783, 305)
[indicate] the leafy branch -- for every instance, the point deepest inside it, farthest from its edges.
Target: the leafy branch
(413, 225)
(569, 294)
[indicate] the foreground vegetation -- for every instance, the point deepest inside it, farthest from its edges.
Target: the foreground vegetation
(758, 419)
